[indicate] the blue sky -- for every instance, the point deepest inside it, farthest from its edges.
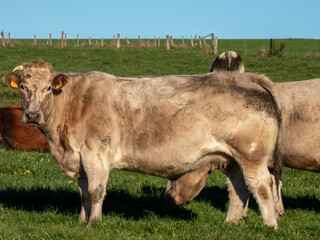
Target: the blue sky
(233, 19)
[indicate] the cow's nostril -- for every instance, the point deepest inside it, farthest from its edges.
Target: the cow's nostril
(32, 116)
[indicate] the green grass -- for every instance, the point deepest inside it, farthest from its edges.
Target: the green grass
(38, 202)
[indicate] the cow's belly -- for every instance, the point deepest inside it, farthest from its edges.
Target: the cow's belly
(170, 161)
(302, 162)
(300, 146)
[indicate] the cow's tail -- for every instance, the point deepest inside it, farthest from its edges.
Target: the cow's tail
(277, 153)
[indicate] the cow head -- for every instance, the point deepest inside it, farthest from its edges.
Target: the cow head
(38, 85)
(228, 61)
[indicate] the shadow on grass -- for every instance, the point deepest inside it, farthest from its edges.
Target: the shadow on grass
(117, 202)
(218, 197)
(132, 207)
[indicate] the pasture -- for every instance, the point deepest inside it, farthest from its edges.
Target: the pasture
(38, 201)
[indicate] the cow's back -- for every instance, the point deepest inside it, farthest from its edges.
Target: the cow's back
(300, 106)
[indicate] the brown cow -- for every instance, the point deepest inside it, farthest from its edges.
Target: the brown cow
(16, 135)
(165, 126)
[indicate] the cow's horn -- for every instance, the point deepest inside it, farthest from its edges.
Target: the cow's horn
(18, 68)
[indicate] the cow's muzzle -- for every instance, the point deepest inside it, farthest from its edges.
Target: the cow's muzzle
(31, 118)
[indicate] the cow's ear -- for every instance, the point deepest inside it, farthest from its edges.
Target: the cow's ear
(59, 81)
(12, 80)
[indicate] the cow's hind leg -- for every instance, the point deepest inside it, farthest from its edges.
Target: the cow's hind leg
(277, 195)
(238, 193)
(259, 182)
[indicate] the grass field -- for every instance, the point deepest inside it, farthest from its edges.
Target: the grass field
(38, 201)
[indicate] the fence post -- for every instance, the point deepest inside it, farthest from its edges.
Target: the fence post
(148, 43)
(35, 40)
(200, 42)
(3, 41)
(139, 41)
(77, 40)
(89, 41)
(113, 41)
(118, 40)
(204, 42)
(9, 40)
(50, 40)
(168, 42)
(62, 39)
(102, 43)
(191, 41)
(155, 41)
(128, 42)
(171, 41)
(212, 39)
(215, 51)
(270, 49)
(158, 41)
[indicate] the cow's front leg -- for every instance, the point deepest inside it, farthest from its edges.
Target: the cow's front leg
(93, 187)
(85, 199)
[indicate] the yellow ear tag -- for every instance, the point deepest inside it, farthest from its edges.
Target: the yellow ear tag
(13, 84)
(59, 85)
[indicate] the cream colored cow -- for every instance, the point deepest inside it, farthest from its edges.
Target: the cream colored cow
(300, 110)
(165, 126)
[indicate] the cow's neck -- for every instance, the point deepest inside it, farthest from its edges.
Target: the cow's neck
(56, 117)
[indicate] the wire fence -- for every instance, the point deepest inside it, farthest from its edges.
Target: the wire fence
(196, 41)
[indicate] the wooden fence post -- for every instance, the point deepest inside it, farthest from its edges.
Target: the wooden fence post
(113, 41)
(3, 41)
(171, 41)
(89, 41)
(158, 41)
(212, 39)
(102, 44)
(270, 48)
(191, 41)
(118, 40)
(77, 40)
(168, 42)
(204, 42)
(128, 42)
(200, 42)
(215, 51)
(62, 39)
(148, 43)
(35, 40)
(50, 40)
(9, 40)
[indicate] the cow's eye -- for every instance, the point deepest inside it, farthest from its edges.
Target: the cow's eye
(22, 87)
(49, 89)
(28, 76)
